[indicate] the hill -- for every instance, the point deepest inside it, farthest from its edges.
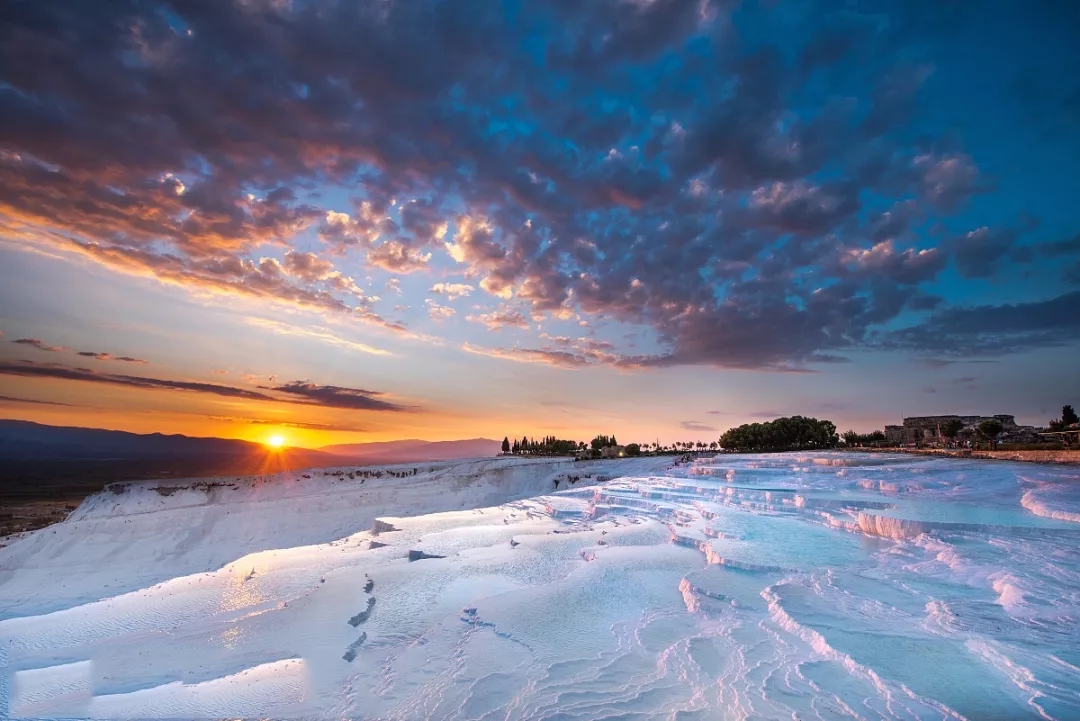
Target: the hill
(23, 440)
(45, 471)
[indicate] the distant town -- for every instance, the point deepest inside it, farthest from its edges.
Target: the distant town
(997, 432)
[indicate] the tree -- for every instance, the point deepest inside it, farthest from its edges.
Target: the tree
(633, 450)
(1068, 416)
(991, 428)
(506, 444)
(603, 442)
(951, 429)
(783, 434)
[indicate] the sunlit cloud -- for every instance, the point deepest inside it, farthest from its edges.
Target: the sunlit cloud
(324, 335)
(437, 311)
(452, 290)
(498, 319)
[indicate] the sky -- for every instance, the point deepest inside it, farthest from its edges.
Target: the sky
(342, 220)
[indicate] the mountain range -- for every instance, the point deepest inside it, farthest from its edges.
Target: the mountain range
(45, 471)
(26, 441)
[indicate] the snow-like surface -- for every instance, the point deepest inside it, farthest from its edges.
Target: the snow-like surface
(766, 587)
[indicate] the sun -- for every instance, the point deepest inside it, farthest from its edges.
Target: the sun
(276, 441)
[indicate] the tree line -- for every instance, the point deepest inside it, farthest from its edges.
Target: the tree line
(794, 433)
(852, 438)
(552, 446)
(546, 446)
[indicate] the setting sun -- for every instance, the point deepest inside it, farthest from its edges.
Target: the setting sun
(275, 441)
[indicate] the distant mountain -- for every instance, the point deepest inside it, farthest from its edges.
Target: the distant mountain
(23, 440)
(416, 450)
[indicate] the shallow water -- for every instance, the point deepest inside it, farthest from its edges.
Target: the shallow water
(782, 586)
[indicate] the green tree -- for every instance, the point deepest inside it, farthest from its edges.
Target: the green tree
(633, 450)
(782, 434)
(991, 428)
(506, 444)
(951, 429)
(1068, 416)
(603, 442)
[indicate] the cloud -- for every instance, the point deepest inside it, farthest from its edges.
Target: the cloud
(318, 333)
(907, 267)
(1059, 248)
(499, 319)
(302, 392)
(307, 266)
(697, 427)
(981, 253)
(109, 357)
(439, 312)
(801, 208)
(398, 258)
(558, 359)
(721, 178)
(36, 370)
(337, 396)
(992, 329)
(561, 353)
(10, 399)
(39, 344)
(452, 290)
(232, 275)
(948, 180)
(43, 346)
(292, 424)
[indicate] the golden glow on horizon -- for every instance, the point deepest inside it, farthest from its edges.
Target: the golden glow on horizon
(276, 441)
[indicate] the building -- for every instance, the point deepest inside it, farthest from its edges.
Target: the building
(926, 430)
(1069, 436)
(612, 451)
(894, 434)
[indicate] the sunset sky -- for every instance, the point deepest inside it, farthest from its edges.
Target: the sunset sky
(347, 220)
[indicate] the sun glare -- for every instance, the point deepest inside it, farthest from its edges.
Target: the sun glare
(275, 441)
